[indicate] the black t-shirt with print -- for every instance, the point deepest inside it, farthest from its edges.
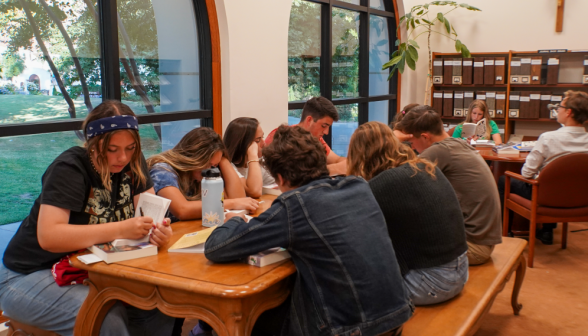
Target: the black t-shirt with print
(71, 183)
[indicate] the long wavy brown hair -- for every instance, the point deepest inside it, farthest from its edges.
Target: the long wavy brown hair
(192, 153)
(373, 148)
(100, 143)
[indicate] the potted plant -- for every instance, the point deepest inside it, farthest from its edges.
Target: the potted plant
(419, 22)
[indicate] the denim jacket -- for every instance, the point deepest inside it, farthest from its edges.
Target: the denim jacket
(348, 280)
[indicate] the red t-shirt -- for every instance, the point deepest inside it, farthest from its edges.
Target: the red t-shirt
(270, 138)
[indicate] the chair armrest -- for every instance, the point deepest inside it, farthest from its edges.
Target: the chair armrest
(521, 178)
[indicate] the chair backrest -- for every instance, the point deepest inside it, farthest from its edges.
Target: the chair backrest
(563, 183)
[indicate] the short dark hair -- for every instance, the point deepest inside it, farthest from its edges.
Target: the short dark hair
(401, 114)
(296, 155)
(578, 103)
(239, 135)
(420, 120)
(318, 108)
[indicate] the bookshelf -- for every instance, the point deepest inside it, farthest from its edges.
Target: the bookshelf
(537, 76)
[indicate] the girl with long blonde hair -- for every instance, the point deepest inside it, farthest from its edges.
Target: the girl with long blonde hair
(177, 175)
(421, 209)
(88, 197)
(478, 110)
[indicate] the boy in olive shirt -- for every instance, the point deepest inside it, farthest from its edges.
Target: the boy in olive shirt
(467, 172)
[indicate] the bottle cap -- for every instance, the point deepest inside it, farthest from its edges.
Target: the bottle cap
(212, 172)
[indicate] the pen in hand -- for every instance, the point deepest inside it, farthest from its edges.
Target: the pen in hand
(141, 212)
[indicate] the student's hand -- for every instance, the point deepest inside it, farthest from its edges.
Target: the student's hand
(402, 136)
(234, 214)
(245, 203)
(252, 151)
(162, 233)
(136, 228)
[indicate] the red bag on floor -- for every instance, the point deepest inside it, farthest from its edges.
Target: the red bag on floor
(65, 274)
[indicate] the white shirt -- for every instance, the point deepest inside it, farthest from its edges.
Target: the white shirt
(265, 175)
(551, 145)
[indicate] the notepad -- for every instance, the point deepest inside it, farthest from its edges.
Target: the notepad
(192, 242)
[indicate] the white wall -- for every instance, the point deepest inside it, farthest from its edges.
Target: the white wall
(502, 25)
(254, 60)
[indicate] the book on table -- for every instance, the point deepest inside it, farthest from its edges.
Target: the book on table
(505, 149)
(192, 242)
(111, 254)
(268, 257)
(478, 129)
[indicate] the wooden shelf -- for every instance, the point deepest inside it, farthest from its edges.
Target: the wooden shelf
(456, 55)
(472, 85)
(531, 119)
(561, 85)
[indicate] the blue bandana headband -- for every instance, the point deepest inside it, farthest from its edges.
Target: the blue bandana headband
(109, 124)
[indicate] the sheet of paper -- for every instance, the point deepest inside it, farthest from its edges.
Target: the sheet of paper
(89, 258)
(193, 239)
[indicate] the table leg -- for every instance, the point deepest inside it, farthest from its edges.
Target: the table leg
(91, 313)
(520, 276)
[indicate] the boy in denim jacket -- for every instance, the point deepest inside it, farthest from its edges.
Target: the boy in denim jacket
(348, 280)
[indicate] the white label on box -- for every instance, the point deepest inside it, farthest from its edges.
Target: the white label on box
(437, 63)
(556, 98)
(481, 97)
(536, 61)
(585, 62)
(438, 95)
(489, 62)
(525, 99)
(491, 94)
(535, 96)
(456, 63)
(525, 60)
(467, 63)
(501, 96)
(553, 61)
(468, 94)
(478, 64)
(458, 96)
(448, 95)
(498, 78)
(515, 63)
(499, 62)
(545, 97)
(448, 62)
(514, 97)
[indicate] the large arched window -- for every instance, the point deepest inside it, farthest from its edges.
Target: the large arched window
(336, 49)
(61, 58)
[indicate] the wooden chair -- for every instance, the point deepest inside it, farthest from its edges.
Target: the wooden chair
(559, 195)
(16, 328)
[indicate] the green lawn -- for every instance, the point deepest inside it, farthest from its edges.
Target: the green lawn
(23, 159)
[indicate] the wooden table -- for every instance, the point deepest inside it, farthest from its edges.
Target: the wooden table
(504, 162)
(229, 297)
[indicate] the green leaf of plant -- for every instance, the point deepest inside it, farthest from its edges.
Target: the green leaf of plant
(397, 43)
(475, 9)
(426, 6)
(402, 18)
(440, 17)
(413, 42)
(414, 54)
(417, 21)
(391, 62)
(453, 30)
(458, 45)
(412, 23)
(394, 54)
(421, 12)
(447, 26)
(401, 64)
(427, 21)
(465, 52)
(410, 61)
(408, 16)
(392, 71)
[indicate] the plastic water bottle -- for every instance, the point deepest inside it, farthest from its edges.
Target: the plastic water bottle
(213, 211)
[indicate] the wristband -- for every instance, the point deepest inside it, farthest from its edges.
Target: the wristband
(251, 161)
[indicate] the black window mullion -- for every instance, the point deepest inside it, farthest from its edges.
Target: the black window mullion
(364, 67)
(393, 82)
(110, 69)
(326, 69)
(205, 54)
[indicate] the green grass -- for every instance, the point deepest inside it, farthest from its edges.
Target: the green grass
(24, 159)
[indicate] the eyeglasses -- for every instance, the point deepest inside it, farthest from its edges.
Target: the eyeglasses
(561, 106)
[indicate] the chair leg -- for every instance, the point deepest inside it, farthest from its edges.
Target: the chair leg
(564, 235)
(505, 221)
(531, 241)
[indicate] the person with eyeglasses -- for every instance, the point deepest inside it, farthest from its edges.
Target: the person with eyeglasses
(572, 137)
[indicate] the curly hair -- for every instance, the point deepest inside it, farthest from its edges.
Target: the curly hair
(373, 148)
(296, 155)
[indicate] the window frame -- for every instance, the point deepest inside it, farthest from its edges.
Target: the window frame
(326, 62)
(210, 93)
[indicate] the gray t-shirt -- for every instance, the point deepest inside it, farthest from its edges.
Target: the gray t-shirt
(475, 187)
